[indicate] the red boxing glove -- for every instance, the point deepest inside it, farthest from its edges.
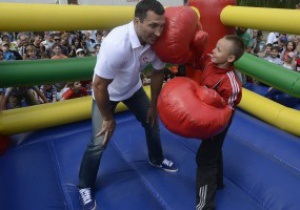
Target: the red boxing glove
(183, 38)
(192, 111)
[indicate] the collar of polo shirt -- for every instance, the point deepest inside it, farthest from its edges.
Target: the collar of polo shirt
(135, 42)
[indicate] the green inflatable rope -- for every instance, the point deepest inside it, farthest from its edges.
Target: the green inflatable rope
(20, 73)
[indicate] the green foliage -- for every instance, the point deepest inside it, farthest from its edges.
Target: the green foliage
(287, 4)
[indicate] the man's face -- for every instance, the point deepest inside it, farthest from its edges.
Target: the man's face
(24, 40)
(150, 29)
(37, 39)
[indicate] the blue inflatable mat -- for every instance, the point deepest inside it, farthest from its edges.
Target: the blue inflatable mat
(41, 171)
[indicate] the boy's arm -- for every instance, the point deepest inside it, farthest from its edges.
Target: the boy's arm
(157, 79)
(231, 92)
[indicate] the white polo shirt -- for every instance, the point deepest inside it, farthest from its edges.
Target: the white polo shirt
(122, 58)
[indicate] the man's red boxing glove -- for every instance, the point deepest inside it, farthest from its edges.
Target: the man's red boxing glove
(183, 38)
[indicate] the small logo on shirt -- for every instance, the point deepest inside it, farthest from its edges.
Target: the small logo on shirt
(145, 59)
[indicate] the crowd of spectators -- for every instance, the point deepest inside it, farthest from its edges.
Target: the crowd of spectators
(47, 45)
(278, 48)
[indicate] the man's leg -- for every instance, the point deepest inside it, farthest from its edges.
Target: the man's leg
(93, 153)
(139, 104)
(91, 161)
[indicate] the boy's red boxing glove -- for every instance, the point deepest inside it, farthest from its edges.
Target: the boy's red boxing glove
(192, 111)
(183, 38)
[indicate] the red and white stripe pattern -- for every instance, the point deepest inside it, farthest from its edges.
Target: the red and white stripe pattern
(235, 89)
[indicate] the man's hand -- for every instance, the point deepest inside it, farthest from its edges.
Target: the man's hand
(108, 128)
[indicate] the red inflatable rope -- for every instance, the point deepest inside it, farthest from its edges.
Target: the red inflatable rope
(190, 110)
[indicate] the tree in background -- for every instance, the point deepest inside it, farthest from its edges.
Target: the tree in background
(287, 4)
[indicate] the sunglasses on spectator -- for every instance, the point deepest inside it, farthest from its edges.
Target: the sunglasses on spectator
(57, 39)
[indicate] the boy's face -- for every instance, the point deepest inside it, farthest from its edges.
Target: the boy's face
(222, 52)
(274, 53)
(31, 53)
(57, 50)
(5, 48)
(268, 50)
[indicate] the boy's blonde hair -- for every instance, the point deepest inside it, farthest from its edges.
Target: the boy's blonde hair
(238, 46)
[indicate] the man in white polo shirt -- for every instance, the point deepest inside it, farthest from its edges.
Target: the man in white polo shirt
(123, 55)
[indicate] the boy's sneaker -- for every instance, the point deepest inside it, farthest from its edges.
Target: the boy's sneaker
(86, 199)
(166, 165)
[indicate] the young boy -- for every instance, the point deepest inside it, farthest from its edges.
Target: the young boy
(30, 52)
(75, 91)
(218, 73)
(274, 56)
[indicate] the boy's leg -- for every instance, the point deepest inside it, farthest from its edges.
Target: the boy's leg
(207, 169)
(220, 184)
(139, 104)
(210, 169)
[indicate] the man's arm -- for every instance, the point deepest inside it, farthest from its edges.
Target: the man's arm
(157, 79)
(100, 88)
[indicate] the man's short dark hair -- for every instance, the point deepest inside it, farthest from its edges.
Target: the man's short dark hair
(144, 6)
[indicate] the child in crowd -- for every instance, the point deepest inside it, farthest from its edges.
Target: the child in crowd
(30, 52)
(274, 56)
(289, 62)
(57, 52)
(289, 47)
(266, 51)
(96, 49)
(8, 55)
(14, 97)
(80, 53)
(219, 74)
(296, 60)
(50, 92)
(75, 91)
